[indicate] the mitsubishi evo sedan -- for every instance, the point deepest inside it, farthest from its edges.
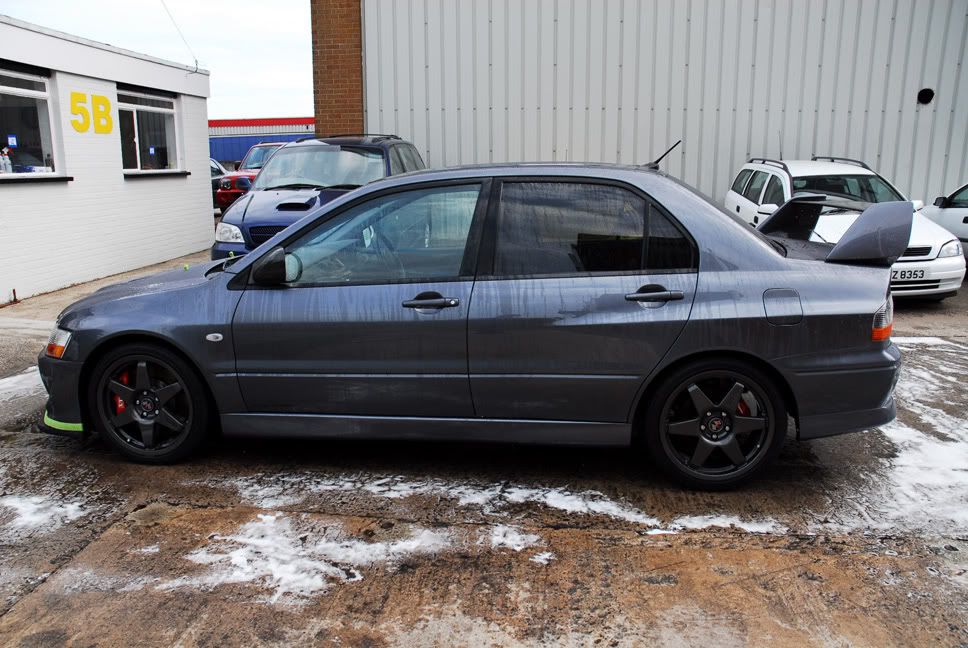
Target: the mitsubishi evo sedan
(541, 303)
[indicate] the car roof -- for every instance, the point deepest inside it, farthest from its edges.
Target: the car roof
(375, 141)
(799, 168)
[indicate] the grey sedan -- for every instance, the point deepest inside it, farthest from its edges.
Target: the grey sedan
(559, 304)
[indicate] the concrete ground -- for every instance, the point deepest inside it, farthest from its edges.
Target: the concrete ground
(854, 540)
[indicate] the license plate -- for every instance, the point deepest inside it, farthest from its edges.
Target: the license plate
(907, 274)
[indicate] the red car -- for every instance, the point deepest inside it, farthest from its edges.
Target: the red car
(235, 183)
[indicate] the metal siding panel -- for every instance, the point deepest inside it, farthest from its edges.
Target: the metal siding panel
(621, 80)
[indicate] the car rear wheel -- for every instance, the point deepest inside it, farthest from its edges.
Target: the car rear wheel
(148, 403)
(715, 424)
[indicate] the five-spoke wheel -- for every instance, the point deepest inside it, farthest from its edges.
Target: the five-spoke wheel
(715, 423)
(148, 402)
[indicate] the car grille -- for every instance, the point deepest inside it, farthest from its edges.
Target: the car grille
(918, 251)
(917, 284)
(262, 233)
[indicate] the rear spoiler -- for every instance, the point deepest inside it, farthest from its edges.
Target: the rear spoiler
(878, 237)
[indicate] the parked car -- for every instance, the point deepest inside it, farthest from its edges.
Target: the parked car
(928, 267)
(544, 303)
(951, 213)
(935, 269)
(303, 175)
(235, 183)
(218, 171)
(763, 184)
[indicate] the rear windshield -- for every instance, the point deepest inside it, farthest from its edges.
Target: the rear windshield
(321, 166)
(866, 188)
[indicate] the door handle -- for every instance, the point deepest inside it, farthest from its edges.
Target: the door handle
(737, 209)
(654, 293)
(431, 300)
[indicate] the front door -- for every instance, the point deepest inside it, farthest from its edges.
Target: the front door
(586, 288)
(372, 320)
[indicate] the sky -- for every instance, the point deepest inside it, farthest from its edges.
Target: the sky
(258, 53)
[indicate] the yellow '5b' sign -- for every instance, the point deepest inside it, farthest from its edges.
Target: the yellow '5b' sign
(99, 114)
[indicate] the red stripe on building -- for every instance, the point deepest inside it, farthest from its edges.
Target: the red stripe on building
(268, 121)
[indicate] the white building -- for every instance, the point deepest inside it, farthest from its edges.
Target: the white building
(108, 160)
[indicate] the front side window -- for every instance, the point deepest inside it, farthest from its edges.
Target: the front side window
(147, 128)
(865, 188)
(409, 236)
(25, 129)
(774, 192)
(320, 165)
(960, 198)
(755, 186)
(555, 228)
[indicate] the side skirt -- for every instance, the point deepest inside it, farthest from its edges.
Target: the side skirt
(322, 426)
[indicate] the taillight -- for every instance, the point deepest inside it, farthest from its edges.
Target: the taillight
(883, 321)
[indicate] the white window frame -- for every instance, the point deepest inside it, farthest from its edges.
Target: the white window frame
(44, 94)
(134, 108)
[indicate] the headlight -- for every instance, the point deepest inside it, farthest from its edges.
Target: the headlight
(243, 183)
(57, 343)
(225, 183)
(227, 233)
(950, 249)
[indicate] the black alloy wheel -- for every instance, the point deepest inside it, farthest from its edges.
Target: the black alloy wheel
(716, 424)
(149, 403)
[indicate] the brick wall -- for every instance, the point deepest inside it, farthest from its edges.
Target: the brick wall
(337, 66)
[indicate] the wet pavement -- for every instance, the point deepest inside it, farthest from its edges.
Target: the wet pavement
(853, 540)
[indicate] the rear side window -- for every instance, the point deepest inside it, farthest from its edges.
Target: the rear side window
(396, 161)
(554, 228)
(740, 180)
(755, 186)
(774, 192)
(413, 159)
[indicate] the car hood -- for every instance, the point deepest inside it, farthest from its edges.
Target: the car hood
(185, 277)
(924, 232)
(278, 206)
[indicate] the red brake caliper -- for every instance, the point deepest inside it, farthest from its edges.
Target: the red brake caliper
(743, 409)
(119, 405)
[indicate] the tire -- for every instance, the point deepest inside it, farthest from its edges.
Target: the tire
(741, 424)
(144, 427)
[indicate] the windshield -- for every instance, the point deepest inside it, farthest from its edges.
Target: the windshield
(866, 188)
(320, 166)
(256, 157)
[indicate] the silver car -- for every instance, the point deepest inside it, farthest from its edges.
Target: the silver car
(559, 304)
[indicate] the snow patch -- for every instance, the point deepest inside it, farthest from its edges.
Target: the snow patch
(542, 558)
(512, 538)
(25, 383)
(150, 549)
(35, 512)
(281, 554)
(696, 522)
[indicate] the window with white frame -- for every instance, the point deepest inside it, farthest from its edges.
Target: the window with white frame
(26, 146)
(147, 127)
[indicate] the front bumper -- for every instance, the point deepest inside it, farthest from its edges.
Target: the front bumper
(930, 277)
(848, 392)
(224, 250)
(225, 197)
(62, 379)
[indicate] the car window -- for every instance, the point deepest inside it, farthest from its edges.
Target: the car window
(740, 182)
(256, 157)
(214, 169)
(774, 191)
(553, 228)
(415, 162)
(866, 188)
(397, 165)
(407, 236)
(755, 186)
(960, 198)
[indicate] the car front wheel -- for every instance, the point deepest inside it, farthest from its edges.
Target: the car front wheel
(148, 403)
(715, 424)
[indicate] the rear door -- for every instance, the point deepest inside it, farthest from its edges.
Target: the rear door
(750, 198)
(736, 190)
(583, 288)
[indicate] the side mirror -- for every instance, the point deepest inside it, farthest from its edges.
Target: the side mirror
(918, 204)
(767, 209)
(941, 201)
(270, 270)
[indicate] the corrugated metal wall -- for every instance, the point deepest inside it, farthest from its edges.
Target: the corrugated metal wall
(620, 80)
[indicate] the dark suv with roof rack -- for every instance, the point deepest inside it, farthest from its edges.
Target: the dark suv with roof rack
(305, 174)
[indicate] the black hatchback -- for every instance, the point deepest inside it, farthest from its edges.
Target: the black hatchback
(305, 174)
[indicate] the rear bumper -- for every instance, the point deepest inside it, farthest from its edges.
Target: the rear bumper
(62, 380)
(845, 393)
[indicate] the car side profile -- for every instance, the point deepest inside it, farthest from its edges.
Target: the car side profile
(540, 303)
(951, 213)
(304, 174)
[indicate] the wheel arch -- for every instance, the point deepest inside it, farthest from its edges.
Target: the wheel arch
(107, 344)
(641, 406)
